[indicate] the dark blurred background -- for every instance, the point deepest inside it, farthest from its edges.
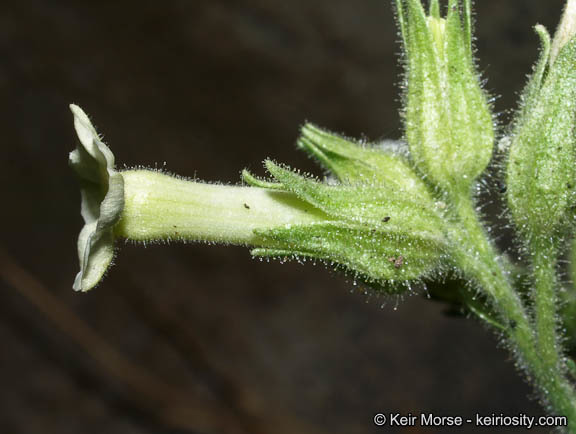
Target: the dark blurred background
(203, 339)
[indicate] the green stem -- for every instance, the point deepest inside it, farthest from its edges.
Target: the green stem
(478, 259)
(544, 253)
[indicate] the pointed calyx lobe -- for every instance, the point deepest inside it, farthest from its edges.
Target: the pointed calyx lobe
(448, 122)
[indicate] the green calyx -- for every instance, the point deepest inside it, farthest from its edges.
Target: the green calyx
(383, 224)
(448, 122)
(541, 170)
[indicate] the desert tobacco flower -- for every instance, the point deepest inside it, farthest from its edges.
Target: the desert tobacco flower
(146, 205)
(384, 229)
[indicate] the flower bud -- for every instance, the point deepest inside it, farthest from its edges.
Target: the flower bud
(541, 170)
(448, 122)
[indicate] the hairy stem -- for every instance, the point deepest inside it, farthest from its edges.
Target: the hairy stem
(479, 260)
(544, 254)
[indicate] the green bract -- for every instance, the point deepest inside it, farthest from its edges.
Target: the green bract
(448, 121)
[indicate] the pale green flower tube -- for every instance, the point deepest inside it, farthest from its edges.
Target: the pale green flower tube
(161, 207)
